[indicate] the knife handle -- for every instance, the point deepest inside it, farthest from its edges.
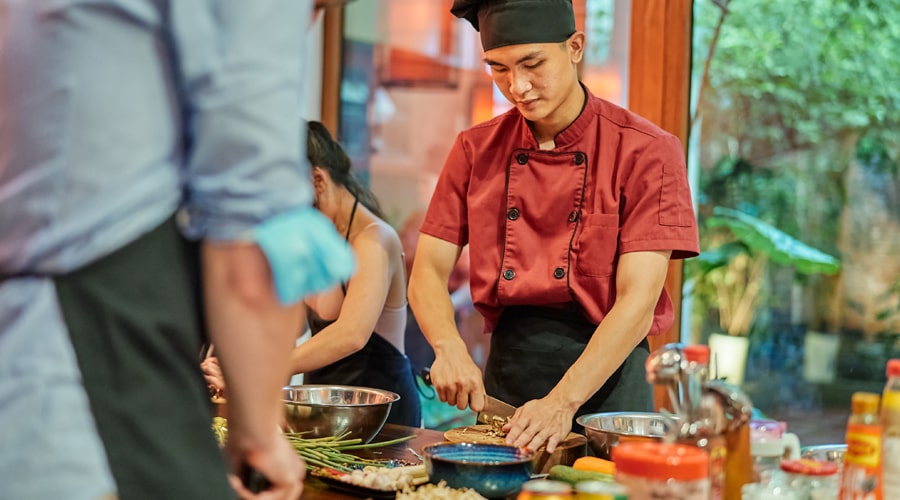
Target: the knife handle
(254, 480)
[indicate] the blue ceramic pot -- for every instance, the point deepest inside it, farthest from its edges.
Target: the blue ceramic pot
(493, 470)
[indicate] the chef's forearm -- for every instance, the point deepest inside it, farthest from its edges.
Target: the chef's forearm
(620, 332)
(640, 277)
(433, 309)
(640, 280)
(253, 335)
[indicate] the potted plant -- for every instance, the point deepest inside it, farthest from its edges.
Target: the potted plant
(730, 276)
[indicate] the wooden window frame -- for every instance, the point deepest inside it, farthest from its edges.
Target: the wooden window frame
(659, 90)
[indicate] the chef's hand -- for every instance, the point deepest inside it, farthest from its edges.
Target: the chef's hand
(212, 373)
(538, 422)
(457, 379)
(276, 461)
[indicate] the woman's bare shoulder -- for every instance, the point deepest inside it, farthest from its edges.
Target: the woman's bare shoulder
(382, 233)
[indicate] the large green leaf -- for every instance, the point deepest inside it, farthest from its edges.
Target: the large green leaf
(779, 246)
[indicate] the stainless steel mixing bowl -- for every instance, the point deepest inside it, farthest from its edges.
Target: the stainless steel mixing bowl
(606, 430)
(332, 410)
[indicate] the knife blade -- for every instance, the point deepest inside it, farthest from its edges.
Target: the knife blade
(494, 409)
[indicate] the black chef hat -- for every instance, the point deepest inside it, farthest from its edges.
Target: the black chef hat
(513, 22)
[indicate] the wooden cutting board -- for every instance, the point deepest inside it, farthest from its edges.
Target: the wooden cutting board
(566, 452)
(480, 433)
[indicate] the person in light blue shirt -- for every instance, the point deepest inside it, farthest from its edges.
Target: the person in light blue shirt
(149, 171)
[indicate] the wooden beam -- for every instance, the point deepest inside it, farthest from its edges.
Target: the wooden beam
(659, 90)
(332, 57)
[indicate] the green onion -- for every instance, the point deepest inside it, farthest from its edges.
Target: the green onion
(329, 451)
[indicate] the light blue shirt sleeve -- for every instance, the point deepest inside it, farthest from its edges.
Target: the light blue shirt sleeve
(241, 69)
(139, 108)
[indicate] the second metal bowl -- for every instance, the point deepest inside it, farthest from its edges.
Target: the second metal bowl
(605, 430)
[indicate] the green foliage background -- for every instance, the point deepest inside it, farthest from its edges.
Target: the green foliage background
(793, 75)
(789, 95)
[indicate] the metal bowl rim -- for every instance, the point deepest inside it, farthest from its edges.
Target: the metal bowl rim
(612, 414)
(823, 447)
(392, 397)
(642, 415)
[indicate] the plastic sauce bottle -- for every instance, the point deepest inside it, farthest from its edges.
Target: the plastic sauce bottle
(861, 477)
(890, 422)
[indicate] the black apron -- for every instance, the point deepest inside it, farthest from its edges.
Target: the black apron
(378, 365)
(532, 347)
(135, 324)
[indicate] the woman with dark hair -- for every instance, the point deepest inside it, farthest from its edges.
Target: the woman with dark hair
(357, 328)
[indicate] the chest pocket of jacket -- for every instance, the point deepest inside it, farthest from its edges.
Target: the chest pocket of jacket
(596, 245)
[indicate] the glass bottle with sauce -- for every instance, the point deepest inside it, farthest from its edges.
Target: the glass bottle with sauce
(707, 417)
(652, 470)
(861, 477)
(890, 422)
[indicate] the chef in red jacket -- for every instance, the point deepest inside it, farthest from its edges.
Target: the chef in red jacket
(572, 208)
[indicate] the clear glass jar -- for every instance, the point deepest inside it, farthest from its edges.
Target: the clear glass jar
(812, 479)
(769, 491)
(653, 470)
(770, 443)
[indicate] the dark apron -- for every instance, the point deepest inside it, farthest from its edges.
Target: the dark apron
(135, 324)
(531, 349)
(378, 365)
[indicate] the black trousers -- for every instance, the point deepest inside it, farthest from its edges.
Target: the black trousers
(531, 349)
(135, 324)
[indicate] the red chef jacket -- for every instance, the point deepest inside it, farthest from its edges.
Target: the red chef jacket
(546, 227)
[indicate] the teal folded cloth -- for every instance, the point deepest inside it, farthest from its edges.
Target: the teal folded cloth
(305, 252)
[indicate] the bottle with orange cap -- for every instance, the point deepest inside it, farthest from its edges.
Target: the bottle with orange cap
(861, 478)
(890, 422)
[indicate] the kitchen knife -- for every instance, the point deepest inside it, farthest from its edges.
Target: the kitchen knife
(495, 410)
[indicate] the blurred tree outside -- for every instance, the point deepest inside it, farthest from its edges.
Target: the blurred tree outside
(795, 122)
(796, 107)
